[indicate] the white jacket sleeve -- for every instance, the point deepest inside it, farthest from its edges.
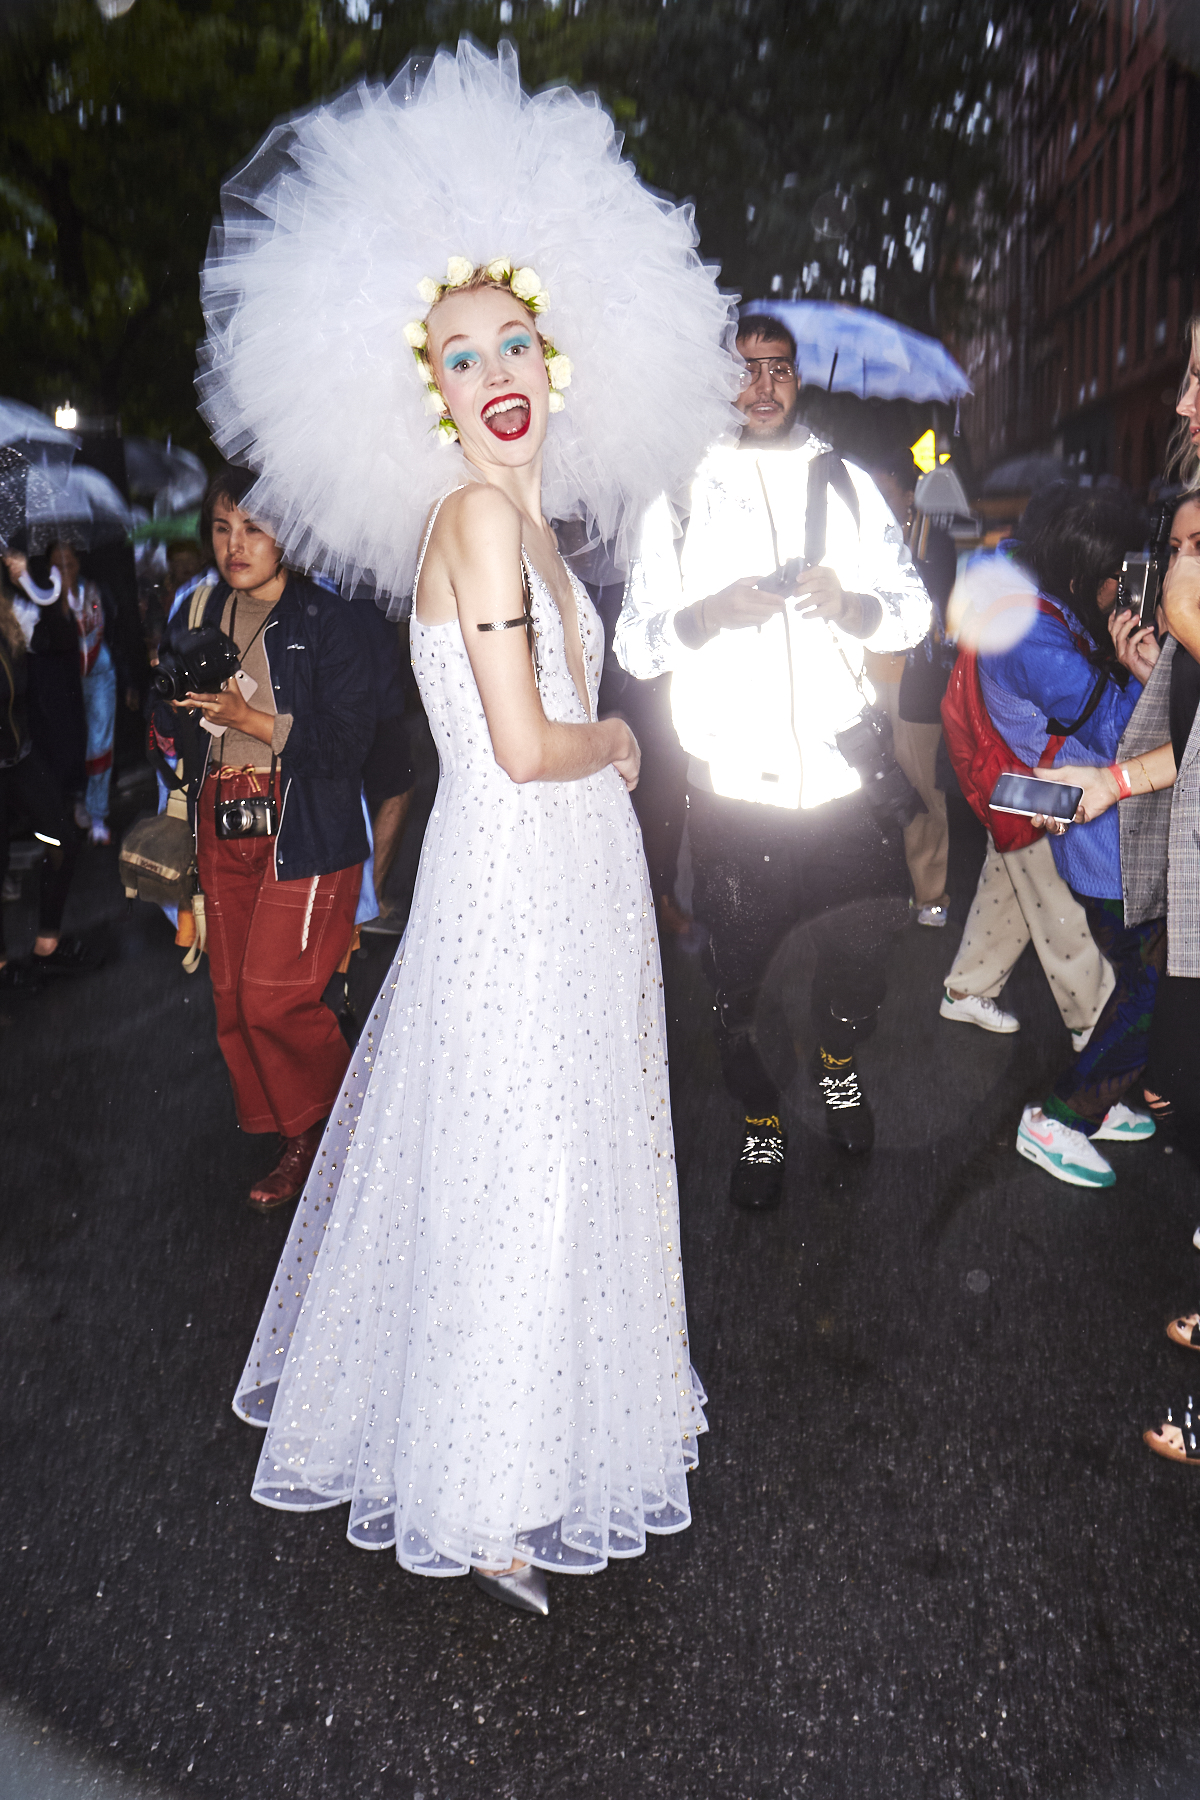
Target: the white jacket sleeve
(886, 570)
(645, 641)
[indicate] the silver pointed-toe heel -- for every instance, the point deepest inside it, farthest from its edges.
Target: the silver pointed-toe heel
(523, 1588)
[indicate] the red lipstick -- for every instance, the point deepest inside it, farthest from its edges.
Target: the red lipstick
(507, 417)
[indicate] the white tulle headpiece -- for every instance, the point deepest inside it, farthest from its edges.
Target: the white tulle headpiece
(313, 275)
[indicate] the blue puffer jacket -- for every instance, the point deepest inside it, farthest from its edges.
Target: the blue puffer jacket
(321, 673)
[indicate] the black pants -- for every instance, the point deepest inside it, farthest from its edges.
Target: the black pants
(30, 789)
(760, 872)
(1171, 1065)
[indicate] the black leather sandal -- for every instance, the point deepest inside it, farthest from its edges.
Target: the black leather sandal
(1185, 1331)
(1186, 1421)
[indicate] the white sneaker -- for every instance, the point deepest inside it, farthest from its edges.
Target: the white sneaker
(1122, 1125)
(973, 1009)
(935, 915)
(1062, 1151)
(99, 832)
(83, 817)
(1081, 1039)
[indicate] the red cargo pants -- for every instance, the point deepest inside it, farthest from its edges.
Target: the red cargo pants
(272, 947)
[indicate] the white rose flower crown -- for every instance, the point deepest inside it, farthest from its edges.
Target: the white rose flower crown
(331, 230)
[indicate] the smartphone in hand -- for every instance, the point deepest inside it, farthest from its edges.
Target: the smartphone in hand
(1029, 794)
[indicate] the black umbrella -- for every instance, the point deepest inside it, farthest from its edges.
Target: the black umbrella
(1027, 475)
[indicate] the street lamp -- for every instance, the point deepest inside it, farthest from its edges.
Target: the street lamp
(65, 417)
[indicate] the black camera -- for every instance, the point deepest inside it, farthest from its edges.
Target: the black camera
(1144, 571)
(867, 746)
(198, 662)
(254, 816)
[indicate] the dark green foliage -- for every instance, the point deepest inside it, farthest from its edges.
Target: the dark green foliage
(114, 138)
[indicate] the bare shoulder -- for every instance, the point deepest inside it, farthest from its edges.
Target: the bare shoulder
(478, 519)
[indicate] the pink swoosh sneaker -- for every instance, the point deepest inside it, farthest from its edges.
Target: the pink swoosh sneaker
(1066, 1154)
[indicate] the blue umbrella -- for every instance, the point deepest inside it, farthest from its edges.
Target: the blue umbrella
(852, 350)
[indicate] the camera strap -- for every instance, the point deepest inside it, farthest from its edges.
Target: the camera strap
(824, 472)
(233, 626)
(216, 781)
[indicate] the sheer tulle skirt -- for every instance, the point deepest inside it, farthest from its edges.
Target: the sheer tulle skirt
(477, 1336)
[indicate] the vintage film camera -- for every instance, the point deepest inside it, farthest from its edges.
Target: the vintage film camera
(1143, 572)
(251, 816)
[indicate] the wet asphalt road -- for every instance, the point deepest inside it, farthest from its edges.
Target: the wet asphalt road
(930, 1555)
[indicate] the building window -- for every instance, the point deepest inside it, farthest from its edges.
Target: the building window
(1116, 38)
(1070, 357)
(1162, 294)
(1108, 336)
(1113, 157)
(1094, 388)
(1071, 212)
(1147, 142)
(1097, 203)
(1133, 25)
(1123, 334)
(1127, 209)
(1139, 313)
(1168, 127)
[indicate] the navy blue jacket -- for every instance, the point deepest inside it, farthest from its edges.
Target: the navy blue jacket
(320, 673)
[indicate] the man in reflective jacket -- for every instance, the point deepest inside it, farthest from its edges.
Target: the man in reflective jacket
(767, 688)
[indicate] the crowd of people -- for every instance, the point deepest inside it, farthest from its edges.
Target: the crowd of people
(493, 1165)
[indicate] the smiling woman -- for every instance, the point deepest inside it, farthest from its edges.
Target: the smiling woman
(477, 1337)
(463, 366)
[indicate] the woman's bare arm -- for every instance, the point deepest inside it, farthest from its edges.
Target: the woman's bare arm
(480, 550)
(1146, 774)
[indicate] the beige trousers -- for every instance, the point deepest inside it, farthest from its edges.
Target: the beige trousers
(927, 839)
(1021, 897)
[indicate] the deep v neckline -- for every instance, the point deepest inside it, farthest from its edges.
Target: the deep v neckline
(585, 698)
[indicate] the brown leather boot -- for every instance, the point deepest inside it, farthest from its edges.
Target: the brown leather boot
(286, 1180)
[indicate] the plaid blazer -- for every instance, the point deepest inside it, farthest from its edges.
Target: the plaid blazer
(1160, 833)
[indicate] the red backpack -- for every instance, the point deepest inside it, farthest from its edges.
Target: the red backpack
(980, 755)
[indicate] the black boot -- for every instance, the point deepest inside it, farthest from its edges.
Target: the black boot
(848, 1117)
(757, 1179)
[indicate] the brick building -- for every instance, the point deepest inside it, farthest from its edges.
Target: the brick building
(1086, 296)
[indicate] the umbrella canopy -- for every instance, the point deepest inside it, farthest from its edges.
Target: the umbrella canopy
(25, 425)
(161, 530)
(1027, 475)
(85, 509)
(852, 350)
(940, 494)
(164, 473)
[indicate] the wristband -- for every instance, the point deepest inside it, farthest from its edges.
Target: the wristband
(1121, 777)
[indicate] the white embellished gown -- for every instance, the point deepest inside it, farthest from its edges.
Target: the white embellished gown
(476, 1335)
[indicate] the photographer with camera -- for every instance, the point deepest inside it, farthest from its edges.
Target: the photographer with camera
(1066, 679)
(1156, 777)
(796, 804)
(270, 681)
